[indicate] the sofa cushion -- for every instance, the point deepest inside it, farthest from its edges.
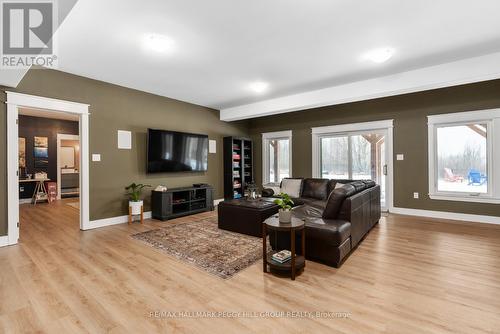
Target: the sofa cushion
(305, 211)
(331, 231)
(315, 188)
(312, 202)
(358, 185)
(369, 183)
(336, 199)
(292, 187)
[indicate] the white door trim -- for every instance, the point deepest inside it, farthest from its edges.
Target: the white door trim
(386, 125)
(60, 137)
(364, 126)
(16, 101)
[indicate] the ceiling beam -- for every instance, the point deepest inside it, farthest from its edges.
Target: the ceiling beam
(445, 75)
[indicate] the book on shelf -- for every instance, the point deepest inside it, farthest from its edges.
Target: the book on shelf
(282, 256)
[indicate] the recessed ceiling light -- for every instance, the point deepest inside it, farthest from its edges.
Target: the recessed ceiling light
(259, 86)
(159, 43)
(380, 55)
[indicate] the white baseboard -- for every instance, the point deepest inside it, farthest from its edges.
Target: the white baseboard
(112, 221)
(122, 219)
(4, 240)
(447, 215)
(217, 201)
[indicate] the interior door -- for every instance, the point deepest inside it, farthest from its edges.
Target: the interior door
(359, 155)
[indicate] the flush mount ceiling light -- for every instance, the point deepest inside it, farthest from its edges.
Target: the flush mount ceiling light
(380, 55)
(159, 43)
(259, 86)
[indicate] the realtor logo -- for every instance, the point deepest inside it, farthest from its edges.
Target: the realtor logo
(27, 33)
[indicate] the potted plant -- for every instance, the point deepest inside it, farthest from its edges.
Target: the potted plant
(134, 192)
(285, 203)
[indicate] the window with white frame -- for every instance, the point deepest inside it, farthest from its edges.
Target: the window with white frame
(277, 156)
(463, 156)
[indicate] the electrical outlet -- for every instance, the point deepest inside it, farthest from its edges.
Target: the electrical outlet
(400, 157)
(415, 195)
(96, 157)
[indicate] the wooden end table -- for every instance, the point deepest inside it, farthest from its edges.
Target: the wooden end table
(297, 262)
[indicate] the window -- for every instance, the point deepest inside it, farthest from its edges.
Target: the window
(462, 156)
(277, 156)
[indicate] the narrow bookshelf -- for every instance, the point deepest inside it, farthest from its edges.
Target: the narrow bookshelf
(238, 166)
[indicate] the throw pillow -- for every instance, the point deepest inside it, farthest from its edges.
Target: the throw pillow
(339, 185)
(291, 187)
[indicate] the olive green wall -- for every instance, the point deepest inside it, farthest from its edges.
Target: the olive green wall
(410, 137)
(117, 108)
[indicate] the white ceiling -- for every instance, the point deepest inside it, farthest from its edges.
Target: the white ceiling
(296, 46)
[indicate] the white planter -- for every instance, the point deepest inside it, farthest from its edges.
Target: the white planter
(285, 216)
(135, 207)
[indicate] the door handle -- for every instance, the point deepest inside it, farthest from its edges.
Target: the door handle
(385, 170)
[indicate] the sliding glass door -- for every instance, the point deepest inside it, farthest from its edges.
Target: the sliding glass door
(355, 156)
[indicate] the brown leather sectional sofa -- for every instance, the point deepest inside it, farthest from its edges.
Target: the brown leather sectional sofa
(336, 219)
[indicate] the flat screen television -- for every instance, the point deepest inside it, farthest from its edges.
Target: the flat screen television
(171, 151)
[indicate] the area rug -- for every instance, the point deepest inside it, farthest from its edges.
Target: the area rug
(202, 244)
(75, 205)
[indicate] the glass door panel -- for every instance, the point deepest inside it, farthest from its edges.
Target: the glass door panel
(369, 161)
(361, 157)
(356, 156)
(334, 158)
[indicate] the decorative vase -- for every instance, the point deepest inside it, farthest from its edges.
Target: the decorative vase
(285, 216)
(135, 207)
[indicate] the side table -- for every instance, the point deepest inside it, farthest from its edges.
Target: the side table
(297, 262)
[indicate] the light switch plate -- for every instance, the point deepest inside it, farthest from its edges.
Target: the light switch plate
(212, 146)
(124, 140)
(400, 157)
(96, 157)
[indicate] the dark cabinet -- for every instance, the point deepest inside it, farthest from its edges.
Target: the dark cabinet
(179, 202)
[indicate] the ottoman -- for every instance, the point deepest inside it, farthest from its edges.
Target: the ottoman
(245, 216)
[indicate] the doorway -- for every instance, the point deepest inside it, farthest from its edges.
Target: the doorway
(68, 165)
(361, 151)
(16, 103)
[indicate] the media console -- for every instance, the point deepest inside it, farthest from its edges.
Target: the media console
(177, 202)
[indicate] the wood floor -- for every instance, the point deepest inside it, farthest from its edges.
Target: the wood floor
(410, 275)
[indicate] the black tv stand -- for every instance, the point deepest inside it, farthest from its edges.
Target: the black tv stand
(177, 202)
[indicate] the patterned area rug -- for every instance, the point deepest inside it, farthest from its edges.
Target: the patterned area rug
(202, 244)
